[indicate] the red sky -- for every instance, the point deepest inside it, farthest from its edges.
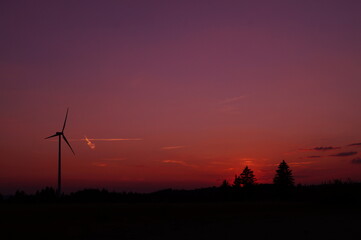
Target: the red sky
(207, 87)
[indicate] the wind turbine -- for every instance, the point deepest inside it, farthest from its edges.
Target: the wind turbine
(61, 134)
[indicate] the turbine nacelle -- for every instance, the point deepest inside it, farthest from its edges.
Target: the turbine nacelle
(62, 132)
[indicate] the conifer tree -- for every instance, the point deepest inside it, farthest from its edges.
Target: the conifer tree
(225, 184)
(247, 177)
(284, 175)
(237, 182)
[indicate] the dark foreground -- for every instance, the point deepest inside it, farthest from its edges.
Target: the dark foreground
(229, 220)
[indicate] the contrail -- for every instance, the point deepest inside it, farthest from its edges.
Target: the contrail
(107, 139)
(113, 139)
(90, 144)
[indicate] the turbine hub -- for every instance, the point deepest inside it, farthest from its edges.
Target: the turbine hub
(59, 133)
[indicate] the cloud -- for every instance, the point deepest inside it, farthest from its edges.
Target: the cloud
(233, 99)
(90, 144)
(248, 159)
(178, 162)
(114, 159)
(100, 164)
(356, 161)
(173, 161)
(172, 147)
(230, 169)
(343, 154)
(320, 148)
(229, 105)
(354, 144)
(300, 163)
(325, 148)
(105, 162)
(313, 157)
(217, 163)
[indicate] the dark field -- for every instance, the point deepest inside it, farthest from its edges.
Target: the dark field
(230, 220)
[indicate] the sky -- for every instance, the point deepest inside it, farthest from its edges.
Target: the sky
(178, 94)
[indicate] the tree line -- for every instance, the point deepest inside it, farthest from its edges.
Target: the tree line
(244, 188)
(282, 178)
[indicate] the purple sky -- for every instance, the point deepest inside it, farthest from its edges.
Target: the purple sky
(208, 86)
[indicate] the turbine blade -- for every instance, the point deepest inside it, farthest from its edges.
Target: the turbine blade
(66, 116)
(52, 136)
(68, 144)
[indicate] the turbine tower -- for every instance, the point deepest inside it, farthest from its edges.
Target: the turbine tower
(60, 135)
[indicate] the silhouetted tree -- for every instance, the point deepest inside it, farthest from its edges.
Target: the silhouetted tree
(47, 194)
(237, 181)
(247, 177)
(283, 175)
(225, 184)
(20, 196)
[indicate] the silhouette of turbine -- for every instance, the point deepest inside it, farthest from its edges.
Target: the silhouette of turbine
(61, 134)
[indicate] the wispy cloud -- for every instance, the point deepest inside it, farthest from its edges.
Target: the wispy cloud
(172, 147)
(218, 163)
(300, 163)
(105, 162)
(325, 148)
(248, 159)
(233, 99)
(356, 161)
(354, 144)
(320, 148)
(90, 144)
(313, 157)
(178, 162)
(343, 154)
(229, 105)
(173, 161)
(114, 159)
(100, 164)
(230, 169)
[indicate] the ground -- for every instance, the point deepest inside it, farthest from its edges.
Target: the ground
(231, 220)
